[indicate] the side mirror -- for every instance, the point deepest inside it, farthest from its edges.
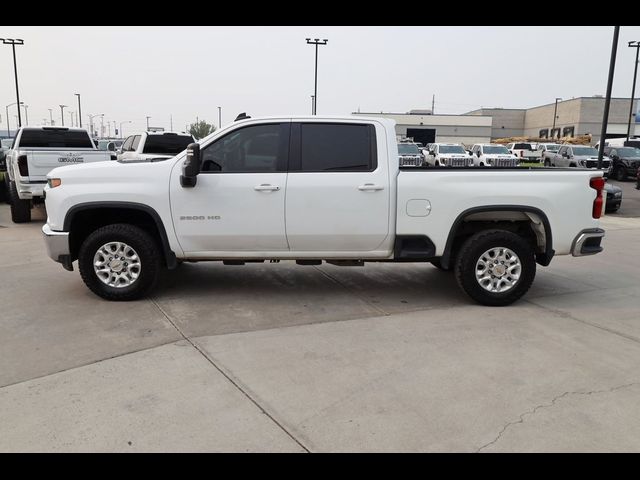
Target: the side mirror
(432, 153)
(191, 166)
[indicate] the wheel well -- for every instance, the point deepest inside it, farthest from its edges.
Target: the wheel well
(86, 221)
(531, 226)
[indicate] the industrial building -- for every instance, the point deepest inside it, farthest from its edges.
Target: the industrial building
(573, 117)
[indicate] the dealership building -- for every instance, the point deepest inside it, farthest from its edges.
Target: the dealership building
(573, 117)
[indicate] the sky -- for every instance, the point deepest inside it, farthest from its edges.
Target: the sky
(184, 73)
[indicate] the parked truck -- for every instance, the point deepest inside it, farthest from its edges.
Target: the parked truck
(525, 151)
(579, 156)
(35, 152)
(149, 146)
(314, 189)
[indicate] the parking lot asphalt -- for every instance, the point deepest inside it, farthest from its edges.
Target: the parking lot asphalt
(279, 357)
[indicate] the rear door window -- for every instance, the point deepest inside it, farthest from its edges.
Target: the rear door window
(50, 138)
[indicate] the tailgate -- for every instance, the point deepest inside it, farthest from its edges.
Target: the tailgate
(42, 162)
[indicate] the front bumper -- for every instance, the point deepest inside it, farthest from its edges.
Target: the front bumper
(587, 242)
(57, 244)
(27, 191)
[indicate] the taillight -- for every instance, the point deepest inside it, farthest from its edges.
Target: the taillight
(23, 166)
(597, 183)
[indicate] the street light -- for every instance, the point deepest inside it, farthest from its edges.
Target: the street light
(7, 110)
(636, 45)
(13, 43)
(126, 121)
(26, 113)
(91, 121)
(62, 107)
(219, 117)
(50, 115)
(148, 117)
(316, 42)
(555, 111)
(79, 109)
(313, 97)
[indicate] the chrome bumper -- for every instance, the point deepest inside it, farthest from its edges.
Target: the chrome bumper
(58, 246)
(27, 191)
(587, 242)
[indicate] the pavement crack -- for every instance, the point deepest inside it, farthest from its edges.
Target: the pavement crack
(209, 359)
(353, 292)
(528, 413)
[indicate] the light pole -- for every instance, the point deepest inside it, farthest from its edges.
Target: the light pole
(219, 117)
(316, 42)
(126, 121)
(79, 109)
(555, 112)
(7, 110)
(91, 121)
(62, 107)
(148, 117)
(635, 45)
(313, 97)
(607, 102)
(50, 115)
(13, 43)
(26, 113)
(71, 118)
(102, 125)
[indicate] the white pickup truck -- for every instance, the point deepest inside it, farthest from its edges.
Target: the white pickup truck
(315, 189)
(149, 146)
(38, 150)
(525, 151)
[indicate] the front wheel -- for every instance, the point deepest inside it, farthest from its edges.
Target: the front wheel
(119, 262)
(495, 267)
(547, 163)
(620, 175)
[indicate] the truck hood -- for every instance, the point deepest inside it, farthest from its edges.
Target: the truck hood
(105, 172)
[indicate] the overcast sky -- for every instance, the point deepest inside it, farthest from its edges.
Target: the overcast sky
(128, 73)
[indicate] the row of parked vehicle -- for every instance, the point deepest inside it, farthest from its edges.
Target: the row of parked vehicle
(35, 151)
(455, 155)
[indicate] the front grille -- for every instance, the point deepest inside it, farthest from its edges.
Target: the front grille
(410, 162)
(594, 164)
(458, 162)
(506, 162)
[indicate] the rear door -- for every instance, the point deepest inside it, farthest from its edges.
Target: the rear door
(338, 195)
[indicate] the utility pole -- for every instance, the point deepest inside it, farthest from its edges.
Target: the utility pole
(13, 43)
(79, 109)
(635, 45)
(316, 42)
(62, 107)
(555, 116)
(607, 102)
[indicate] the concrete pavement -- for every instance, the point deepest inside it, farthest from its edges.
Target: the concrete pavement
(293, 358)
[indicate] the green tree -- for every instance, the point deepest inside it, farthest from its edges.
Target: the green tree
(201, 129)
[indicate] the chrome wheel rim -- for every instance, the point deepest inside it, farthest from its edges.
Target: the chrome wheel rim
(498, 270)
(117, 264)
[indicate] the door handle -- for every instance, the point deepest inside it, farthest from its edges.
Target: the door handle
(266, 187)
(369, 187)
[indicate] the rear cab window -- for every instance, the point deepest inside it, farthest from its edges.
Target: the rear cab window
(166, 144)
(54, 138)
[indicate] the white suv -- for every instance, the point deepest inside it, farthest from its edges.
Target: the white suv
(493, 155)
(448, 155)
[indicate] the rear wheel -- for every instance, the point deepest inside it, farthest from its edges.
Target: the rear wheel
(495, 267)
(620, 174)
(119, 262)
(20, 209)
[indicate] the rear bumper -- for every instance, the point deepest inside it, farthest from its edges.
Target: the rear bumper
(587, 242)
(57, 244)
(27, 191)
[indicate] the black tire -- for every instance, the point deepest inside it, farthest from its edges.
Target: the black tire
(438, 264)
(547, 163)
(471, 252)
(144, 245)
(4, 194)
(6, 187)
(619, 174)
(20, 209)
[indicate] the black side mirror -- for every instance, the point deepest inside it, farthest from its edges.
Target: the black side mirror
(191, 166)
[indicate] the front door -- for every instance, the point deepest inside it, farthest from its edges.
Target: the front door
(238, 202)
(337, 192)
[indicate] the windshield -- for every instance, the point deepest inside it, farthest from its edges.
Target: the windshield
(496, 150)
(552, 148)
(451, 149)
(522, 146)
(167, 144)
(585, 151)
(408, 149)
(6, 143)
(46, 138)
(628, 152)
(102, 144)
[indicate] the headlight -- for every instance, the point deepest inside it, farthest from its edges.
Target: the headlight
(489, 161)
(583, 163)
(54, 182)
(444, 161)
